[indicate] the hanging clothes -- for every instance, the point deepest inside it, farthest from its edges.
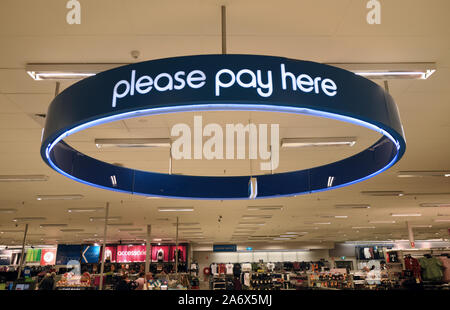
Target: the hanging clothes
(432, 268)
(446, 266)
(413, 265)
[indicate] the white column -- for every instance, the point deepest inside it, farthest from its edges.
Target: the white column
(147, 249)
(102, 268)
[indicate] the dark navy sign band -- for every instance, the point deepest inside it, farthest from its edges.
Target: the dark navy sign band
(222, 82)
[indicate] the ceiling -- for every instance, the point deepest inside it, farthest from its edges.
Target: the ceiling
(318, 30)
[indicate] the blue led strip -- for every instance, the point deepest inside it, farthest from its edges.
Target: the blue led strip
(88, 103)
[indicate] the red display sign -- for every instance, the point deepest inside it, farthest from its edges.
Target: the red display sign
(48, 257)
(160, 253)
(130, 254)
(181, 253)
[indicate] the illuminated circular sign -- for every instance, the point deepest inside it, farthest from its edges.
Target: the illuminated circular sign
(222, 83)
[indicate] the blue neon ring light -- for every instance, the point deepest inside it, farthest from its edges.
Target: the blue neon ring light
(90, 102)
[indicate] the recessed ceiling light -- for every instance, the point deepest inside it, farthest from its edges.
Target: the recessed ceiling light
(133, 142)
(383, 193)
(59, 197)
(434, 205)
(388, 71)
(175, 209)
(102, 218)
(129, 229)
(72, 71)
(419, 174)
(83, 210)
(250, 217)
(8, 210)
(318, 142)
(406, 214)
(353, 206)
(252, 224)
(29, 219)
(52, 225)
(264, 208)
(23, 178)
(364, 227)
(382, 222)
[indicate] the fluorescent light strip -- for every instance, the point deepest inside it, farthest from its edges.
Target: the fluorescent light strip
(29, 219)
(322, 223)
(120, 224)
(363, 227)
(434, 205)
(52, 225)
(23, 178)
(71, 230)
(382, 222)
(406, 214)
(250, 217)
(133, 142)
(422, 226)
(432, 173)
(71, 71)
(251, 224)
(178, 209)
(186, 224)
(353, 206)
(390, 70)
(398, 74)
(102, 218)
(83, 210)
(8, 210)
(318, 142)
(59, 197)
(288, 236)
(383, 193)
(442, 221)
(264, 208)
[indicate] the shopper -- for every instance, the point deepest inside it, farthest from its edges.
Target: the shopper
(48, 283)
(122, 284)
(140, 281)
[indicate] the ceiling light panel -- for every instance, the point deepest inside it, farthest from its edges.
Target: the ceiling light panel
(66, 71)
(352, 206)
(8, 211)
(29, 219)
(59, 197)
(386, 71)
(175, 209)
(84, 210)
(318, 142)
(133, 142)
(383, 193)
(265, 208)
(23, 178)
(435, 205)
(419, 174)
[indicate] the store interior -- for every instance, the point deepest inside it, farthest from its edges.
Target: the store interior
(388, 232)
